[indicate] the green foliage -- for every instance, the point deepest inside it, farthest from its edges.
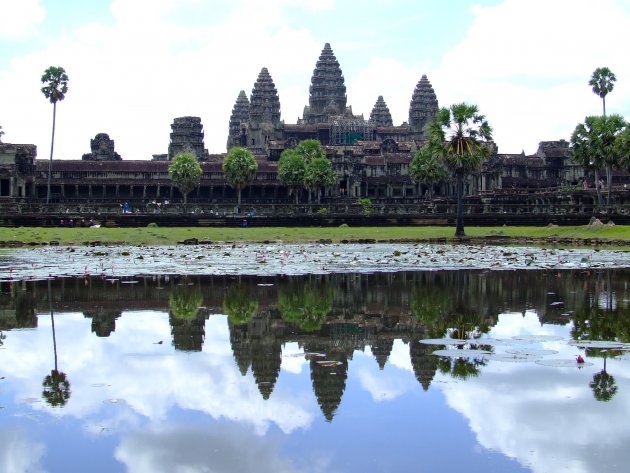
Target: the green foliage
(602, 81)
(367, 205)
(305, 304)
(184, 302)
(291, 168)
(318, 173)
(622, 144)
(152, 225)
(239, 304)
(595, 143)
(55, 82)
(460, 137)
(604, 386)
(427, 168)
(239, 168)
(310, 150)
(322, 211)
(186, 172)
(56, 389)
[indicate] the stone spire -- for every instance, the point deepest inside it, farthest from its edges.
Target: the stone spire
(327, 94)
(423, 106)
(380, 115)
(265, 104)
(238, 119)
(187, 137)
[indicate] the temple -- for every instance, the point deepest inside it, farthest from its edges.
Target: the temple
(370, 157)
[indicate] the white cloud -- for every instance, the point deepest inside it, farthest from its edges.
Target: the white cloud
(526, 65)
(20, 19)
(18, 453)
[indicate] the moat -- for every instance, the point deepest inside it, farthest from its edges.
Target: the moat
(318, 372)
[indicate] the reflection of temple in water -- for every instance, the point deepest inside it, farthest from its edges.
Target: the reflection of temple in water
(329, 316)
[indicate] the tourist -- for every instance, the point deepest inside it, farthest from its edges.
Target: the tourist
(244, 223)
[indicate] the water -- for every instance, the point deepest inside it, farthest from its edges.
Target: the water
(316, 373)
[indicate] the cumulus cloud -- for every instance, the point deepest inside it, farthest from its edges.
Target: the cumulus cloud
(20, 19)
(18, 453)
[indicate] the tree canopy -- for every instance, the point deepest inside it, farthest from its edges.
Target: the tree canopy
(239, 168)
(310, 149)
(427, 168)
(595, 144)
(460, 136)
(186, 172)
(603, 82)
(291, 168)
(318, 173)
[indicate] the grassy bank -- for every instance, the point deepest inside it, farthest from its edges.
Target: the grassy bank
(164, 236)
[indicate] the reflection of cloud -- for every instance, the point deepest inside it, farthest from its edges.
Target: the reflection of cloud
(399, 356)
(547, 419)
(124, 365)
(185, 449)
(17, 453)
(386, 388)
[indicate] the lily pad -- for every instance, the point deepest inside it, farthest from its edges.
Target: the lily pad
(537, 338)
(444, 341)
(610, 344)
(562, 363)
(531, 352)
(512, 357)
(464, 353)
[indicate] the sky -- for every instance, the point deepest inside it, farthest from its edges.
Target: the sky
(135, 65)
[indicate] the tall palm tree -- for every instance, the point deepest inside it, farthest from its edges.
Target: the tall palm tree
(461, 137)
(602, 81)
(55, 82)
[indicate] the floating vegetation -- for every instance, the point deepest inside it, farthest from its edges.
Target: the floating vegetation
(463, 353)
(531, 352)
(328, 363)
(114, 401)
(604, 344)
(512, 357)
(537, 338)
(444, 341)
(562, 363)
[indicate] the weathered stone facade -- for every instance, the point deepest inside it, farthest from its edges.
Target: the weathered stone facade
(370, 158)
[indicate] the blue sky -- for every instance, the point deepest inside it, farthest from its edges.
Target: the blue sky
(135, 65)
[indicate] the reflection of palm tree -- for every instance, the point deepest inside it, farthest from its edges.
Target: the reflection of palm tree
(460, 368)
(603, 385)
(56, 388)
(56, 385)
(240, 304)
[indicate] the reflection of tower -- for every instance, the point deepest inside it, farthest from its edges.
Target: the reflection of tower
(328, 377)
(423, 362)
(381, 348)
(188, 333)
(239, 341)
(103, 321)
(266, 353)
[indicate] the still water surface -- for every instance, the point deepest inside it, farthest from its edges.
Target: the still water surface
(316, 373)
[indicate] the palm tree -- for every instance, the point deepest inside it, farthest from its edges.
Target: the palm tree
(460, 136)
(603, 385)
(602, 81)
(56, 387)
(55, 82)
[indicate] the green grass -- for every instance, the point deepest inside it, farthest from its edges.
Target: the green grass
(162, 236)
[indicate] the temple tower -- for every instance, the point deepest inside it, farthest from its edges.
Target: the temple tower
(238, 122)
(264, 112)
(423, 107)
(380, 116)
(327, 94)
(187, 137)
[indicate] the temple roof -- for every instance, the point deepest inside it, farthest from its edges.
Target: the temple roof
(423, 106)
(380, 116)
(240, 114)
(327, 94)
(265, 103)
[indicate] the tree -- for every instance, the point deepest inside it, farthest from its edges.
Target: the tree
(185, 301)
(56, 387)
(240, 304)
(291, 169)
(603, 385)
(239, 168)
(55, 88)
(461, 137)
(426, 168)
(318, 173)
(310, 149)
(1, 133)
(622, 143)
(186, 172)
(595, 144)
(602, 81)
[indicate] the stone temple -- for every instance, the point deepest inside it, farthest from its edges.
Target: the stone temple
(370, 156)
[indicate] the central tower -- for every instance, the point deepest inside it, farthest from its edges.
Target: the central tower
(327, 94)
